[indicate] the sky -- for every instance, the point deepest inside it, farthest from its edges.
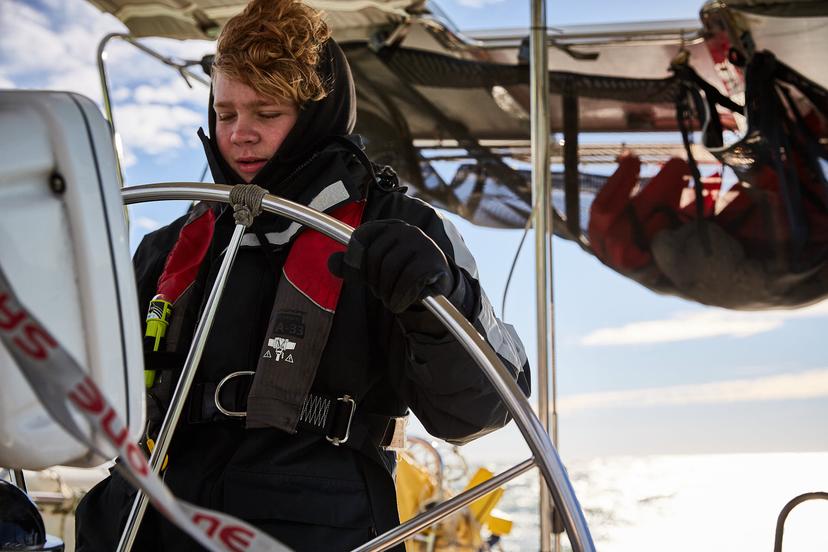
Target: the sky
(637, 372)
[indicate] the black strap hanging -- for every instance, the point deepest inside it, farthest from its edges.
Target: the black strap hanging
(570, 158)
(684, 116)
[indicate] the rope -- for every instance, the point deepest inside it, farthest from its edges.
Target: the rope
(246, 200)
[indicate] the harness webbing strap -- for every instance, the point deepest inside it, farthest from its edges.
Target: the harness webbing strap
(336, 418)
(298, 329)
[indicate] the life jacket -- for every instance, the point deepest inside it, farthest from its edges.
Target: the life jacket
(306, 299)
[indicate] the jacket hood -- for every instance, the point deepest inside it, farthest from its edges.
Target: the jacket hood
(318, 122)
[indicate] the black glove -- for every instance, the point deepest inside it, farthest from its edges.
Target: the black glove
(397, 261)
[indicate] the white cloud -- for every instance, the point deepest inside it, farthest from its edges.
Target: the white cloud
(56, 50)
(173, 91)
(147, 223)
(121, 94)
(53, 44)
(478, 3)
(810, 384)
(53, 50)
(128, 159)
(17, 39)
(83, 80)
(156, 129)
(35, 43)
(192, 50)
(709, 323)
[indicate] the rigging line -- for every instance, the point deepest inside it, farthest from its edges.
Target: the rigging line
(512, 269)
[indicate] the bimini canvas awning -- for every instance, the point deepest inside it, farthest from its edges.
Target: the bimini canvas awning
(782, 8)
(450, 113)
(202, 19)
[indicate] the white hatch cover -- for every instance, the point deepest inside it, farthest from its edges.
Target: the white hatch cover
(64, 249)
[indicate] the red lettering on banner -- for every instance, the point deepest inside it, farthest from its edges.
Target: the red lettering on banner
(39, 342)
(136, 459)
(34, 342)
(86, 396)
(236, 538)
(9, 320)
(106, 424)
(212, 522)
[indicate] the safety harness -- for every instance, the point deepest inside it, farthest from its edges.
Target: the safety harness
(278, 393)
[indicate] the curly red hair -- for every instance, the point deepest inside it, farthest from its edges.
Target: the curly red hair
(274, 47)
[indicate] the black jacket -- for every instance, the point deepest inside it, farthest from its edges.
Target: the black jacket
(308, 493)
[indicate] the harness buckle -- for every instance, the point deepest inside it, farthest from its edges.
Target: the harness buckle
(336, 441)
(216, 395)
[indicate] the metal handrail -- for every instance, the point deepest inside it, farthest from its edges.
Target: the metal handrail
(543, 222)
(783, 515)
(543, 451)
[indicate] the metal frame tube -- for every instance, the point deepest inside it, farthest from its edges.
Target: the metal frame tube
(107, 101)
(541, 196)
(18, 479)
(444, 509)
(182, 389)
(783, 515)
(553, 471)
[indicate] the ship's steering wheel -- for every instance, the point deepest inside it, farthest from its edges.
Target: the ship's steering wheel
(544, 455)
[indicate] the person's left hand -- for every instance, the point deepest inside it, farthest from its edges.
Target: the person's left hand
(397, 261)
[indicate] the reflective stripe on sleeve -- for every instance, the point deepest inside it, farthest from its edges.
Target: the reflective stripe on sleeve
(501, 336)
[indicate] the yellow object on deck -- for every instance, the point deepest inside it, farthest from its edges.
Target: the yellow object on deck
(417, 490)
(483, 508)
(415, 487)
(499, 523)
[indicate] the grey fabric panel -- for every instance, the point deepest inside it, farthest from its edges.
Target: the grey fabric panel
(296, 337)
(462, 256)
(501, 336)
(782, 8)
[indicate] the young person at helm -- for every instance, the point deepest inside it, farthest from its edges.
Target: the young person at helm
(320, 364)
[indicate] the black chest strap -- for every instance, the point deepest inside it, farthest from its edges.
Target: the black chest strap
(338, 419)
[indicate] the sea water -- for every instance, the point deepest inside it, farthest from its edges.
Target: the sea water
(687, 503)
(692, 503)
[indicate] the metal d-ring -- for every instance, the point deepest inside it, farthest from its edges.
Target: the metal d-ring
(352, 404)
(225, 379)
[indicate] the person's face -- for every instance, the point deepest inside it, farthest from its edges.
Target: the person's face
(249, 127)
